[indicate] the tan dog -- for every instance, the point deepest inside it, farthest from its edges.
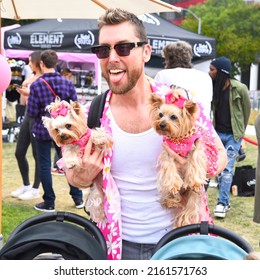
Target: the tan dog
(175, 119)
(67, 126)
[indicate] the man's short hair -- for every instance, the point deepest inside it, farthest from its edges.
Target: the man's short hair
(117, 16)
(49, 58)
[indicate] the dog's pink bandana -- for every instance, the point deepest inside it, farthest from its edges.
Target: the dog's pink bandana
(82, 142)
(62, 110)
(183, 146)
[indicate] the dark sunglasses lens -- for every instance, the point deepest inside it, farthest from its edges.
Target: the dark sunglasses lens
(101, 51)
(123, 49)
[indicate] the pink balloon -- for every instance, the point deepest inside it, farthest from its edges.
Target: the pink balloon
(5, 74)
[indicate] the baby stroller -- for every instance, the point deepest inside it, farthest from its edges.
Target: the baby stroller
(57, 235)
(193, 242)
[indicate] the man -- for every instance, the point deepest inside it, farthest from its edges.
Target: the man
(42, 93)
(179, 71)
(231, 111)
(135, 218)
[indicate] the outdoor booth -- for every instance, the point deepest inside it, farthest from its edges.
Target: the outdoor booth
(71, 39)
(84, 67)
(76, 36)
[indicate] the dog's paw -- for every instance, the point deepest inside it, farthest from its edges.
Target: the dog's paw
(71, 163)
(192, 185)
(95, 207)
(176, 187)
(196, 187)
(100, 137)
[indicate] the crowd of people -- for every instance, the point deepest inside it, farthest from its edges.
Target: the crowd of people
(32, 130)
(135, 218)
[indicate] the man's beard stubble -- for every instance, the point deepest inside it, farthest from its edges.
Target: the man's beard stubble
(133, 77)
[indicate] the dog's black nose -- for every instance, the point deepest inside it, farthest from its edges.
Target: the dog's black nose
(162, 125)
(63, 137)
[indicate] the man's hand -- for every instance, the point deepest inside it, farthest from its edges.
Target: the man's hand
(92, 164)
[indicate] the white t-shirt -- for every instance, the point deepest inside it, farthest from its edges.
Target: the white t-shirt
(198, 82)
(133, 168)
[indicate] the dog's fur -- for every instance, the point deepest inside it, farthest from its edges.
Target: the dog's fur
(66, 130)
(180, 191)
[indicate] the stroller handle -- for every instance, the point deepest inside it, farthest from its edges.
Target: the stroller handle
(61, 217)
(204, 228)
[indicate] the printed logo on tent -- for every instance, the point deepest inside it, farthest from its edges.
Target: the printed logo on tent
(14, 40)
(46, 40)
(157, 43)
(202, 49)
(82, 40)
(149, 19)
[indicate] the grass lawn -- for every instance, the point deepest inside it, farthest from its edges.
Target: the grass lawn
(239, 219)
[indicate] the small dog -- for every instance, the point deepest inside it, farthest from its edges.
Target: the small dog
(175, 119)
(67, 126)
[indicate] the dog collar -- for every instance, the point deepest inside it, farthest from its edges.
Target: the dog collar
(191, 132)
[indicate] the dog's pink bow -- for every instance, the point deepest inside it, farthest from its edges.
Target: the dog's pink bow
(62, 110)
(178, 101)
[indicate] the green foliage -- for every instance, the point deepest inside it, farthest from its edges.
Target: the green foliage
(234, 24)
(7, 22)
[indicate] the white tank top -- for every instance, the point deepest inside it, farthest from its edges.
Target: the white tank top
(134, 171)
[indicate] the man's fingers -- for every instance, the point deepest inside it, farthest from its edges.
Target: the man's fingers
(88, 147)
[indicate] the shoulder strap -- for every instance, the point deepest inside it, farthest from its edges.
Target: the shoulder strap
(96, 110)
(50, 88)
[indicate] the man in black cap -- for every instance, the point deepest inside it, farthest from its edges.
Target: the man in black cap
(231, 111)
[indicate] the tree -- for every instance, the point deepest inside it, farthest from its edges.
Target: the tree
(236, 27)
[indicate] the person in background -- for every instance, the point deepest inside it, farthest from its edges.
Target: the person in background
(256, 217)
(231, 110)
(25, 137)
(136, 220)
(66, 73)
(179, 72)
(42, 95)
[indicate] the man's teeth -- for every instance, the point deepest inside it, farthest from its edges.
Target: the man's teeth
(115, 71)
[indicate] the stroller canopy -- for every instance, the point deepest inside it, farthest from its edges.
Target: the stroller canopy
(201, 242)
(200, 247)
(48, 235)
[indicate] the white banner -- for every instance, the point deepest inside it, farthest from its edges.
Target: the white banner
(136, 270)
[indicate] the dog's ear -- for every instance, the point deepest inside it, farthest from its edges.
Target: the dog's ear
(191, 107)
(75, 106)
(46, 122)
(155, 100)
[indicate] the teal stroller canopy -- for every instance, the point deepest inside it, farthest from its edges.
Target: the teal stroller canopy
(201, 242)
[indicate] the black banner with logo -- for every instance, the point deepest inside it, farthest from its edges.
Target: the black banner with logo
(78, 35)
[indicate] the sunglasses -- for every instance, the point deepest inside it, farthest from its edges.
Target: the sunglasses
(122, 49)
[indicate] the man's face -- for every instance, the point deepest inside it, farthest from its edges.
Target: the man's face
(212, 72)
(122, 72)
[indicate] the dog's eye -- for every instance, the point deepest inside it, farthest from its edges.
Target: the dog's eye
(160, 115)
(68, 126)
(173, 117)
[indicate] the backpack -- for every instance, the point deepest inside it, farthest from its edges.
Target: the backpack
(96, 110)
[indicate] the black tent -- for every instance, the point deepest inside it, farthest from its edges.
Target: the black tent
(78, 35)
